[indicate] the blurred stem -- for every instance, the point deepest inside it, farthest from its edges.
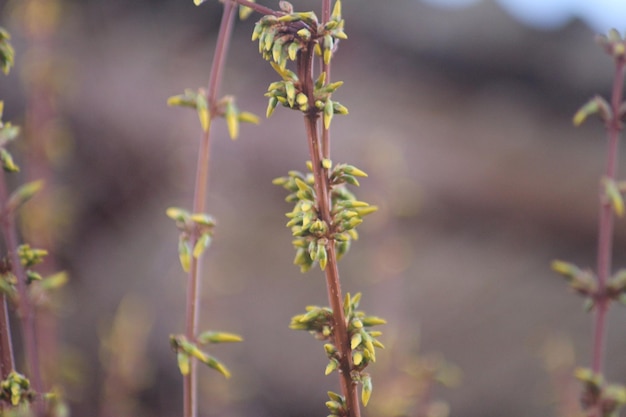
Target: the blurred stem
(323, 192)
(605, 234)
(7, 363)
(190, 383)
(326, 69)
(25, 309)
(257, 7)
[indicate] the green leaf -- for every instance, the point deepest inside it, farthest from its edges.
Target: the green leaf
(184, 363)
(245, 12)
(218, 337)
(596, 105)
(23, 194)
(247, 117)
(203, 242)
(54, 281)
(218, 366)
(178, 214)
(7, 161)
(203, 112)
(366, 390)
(332, 365)
(614, 195)
(184, 253)
(7, 53)
(328, 113)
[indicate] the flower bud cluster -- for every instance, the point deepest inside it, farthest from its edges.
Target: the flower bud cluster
(289, 93)
(598, 395)
(312, 234)
(15, 389)
(363, 340)
(225, 108)
(200, 225)
(282, 38)
(613, 43)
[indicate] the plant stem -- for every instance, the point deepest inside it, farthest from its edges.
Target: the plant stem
(333, 285)
(605, 234)
(26, 312)
(190, 384)
(256, 7)
(7, 361)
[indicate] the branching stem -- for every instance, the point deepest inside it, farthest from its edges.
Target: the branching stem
(605, 234)
(190, 384)
(25, 310)
(322, 190)
(7, 361)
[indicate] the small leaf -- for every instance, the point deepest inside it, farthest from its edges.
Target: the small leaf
(218, 337)
(352, 170)
(184, 364)
(218, 366)
(23, 194)
(369, 321)
(245, 12)
(247, 117)
(614, 196)
(335, 397)
(178, 214)
(292, 50)
(271, 105)
(54, 281)
(203, 112)
(203, 242)
(332, 365)
(328, 113)
(356, 340)
(336, 14)
(322, 256)
(7, 161)
(290, 89)
(232, 119)
(184, 253)
(366, 390)
(595, 105)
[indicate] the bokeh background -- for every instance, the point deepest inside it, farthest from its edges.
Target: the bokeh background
(460, 111)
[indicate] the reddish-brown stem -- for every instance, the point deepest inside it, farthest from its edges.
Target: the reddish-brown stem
(7, 362)
(257, 7)
(605, 234)
(333, 285)
(190, 382)
(25, 309)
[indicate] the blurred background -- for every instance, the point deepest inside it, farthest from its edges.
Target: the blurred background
(460, 111)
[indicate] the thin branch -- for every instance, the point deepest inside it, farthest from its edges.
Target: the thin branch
(25, 309)
(190, 388)
(256, 7)
(322, 189)
(605, 234)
